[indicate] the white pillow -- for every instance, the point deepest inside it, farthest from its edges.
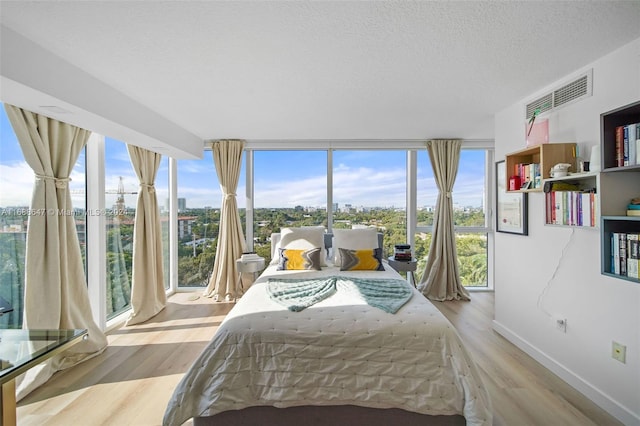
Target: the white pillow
(353, 239)
(301, 239)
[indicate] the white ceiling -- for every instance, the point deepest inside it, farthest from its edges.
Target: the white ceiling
(300, 70)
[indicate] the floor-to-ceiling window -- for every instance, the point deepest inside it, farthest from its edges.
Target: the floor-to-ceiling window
(292, 187)
(370, 190)
(120, 200)
(369, 187)
(290, 190)
(199, 199)
(162, 194)
(16, 183)
(470, 214)
(121, 188)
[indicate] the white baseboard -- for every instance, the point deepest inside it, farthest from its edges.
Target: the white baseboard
(594, 394)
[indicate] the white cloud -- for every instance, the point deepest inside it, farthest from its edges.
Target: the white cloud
(18, 178)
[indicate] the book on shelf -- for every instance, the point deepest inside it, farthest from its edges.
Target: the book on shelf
(632, 137)
(633, 255)
(573, 208)
(615, 253)
(619, 146)
(627, 145)
(625, 254)
(633, 210)
(529, 174)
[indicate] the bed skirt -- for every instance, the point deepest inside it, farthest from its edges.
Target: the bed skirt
(309, 415)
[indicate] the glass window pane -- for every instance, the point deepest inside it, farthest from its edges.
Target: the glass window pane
(468, 190)
(121, 189)
(199, 201)
(78, 189)
(16, 181)
(162, 192)
(427, 191)
(369, 189)
(472, 257)
(290, 189)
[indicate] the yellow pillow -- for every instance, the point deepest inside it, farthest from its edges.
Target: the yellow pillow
(361, 260)
(293, 259)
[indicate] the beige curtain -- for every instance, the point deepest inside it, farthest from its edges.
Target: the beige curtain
(441, 278)
(55, 292)
(227, 156)
(148, 296)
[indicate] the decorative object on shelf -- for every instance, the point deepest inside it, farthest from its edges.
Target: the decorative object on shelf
(560, 170)
(537, 132)
(514, 183)
(511, 207)
(633, 208)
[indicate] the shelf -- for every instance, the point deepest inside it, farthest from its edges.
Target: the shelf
(622, 218)
(634, 168)
(574, 205)
(621, 225)
(609, 121)
(545, 155)
(618, 185)
(574, 177)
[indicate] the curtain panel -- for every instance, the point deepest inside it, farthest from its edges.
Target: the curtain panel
(227, 157)
(441, 278)
(148, 295)
(55, 291)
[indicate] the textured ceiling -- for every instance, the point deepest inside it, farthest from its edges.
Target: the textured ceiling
(327, 70)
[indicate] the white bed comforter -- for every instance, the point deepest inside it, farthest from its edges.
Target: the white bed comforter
(339, 351)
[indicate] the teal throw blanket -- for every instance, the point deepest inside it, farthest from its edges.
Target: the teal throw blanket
(297, 294)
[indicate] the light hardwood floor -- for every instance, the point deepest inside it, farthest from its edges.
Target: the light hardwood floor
(131, 382)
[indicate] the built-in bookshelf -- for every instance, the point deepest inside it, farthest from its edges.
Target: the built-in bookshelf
(529, 167)
(619, 184)
(620, 250)
(620, 133)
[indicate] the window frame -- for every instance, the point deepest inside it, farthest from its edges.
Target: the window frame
(412, 147)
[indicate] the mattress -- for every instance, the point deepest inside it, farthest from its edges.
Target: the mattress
(340, 351)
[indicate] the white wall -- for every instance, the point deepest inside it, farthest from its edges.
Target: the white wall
(556, 271)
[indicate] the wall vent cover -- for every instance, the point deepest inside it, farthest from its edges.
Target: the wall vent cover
(566, 94)
(544, 104)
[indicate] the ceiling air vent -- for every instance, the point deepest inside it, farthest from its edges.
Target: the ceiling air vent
(568, 93)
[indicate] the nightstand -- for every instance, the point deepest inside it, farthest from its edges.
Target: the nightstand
(250, 265)
(408, 266)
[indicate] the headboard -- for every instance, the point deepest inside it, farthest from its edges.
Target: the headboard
(328, 242)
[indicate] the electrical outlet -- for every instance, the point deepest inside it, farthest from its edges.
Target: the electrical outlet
(561, 324)
(619, 352)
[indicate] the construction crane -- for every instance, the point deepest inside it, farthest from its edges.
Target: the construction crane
(119, 207)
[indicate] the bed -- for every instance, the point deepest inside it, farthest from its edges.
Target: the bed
(340, 360)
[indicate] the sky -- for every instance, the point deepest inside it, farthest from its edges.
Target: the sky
(281, 178)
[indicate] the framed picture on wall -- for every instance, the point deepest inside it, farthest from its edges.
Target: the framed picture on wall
(511, 207)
